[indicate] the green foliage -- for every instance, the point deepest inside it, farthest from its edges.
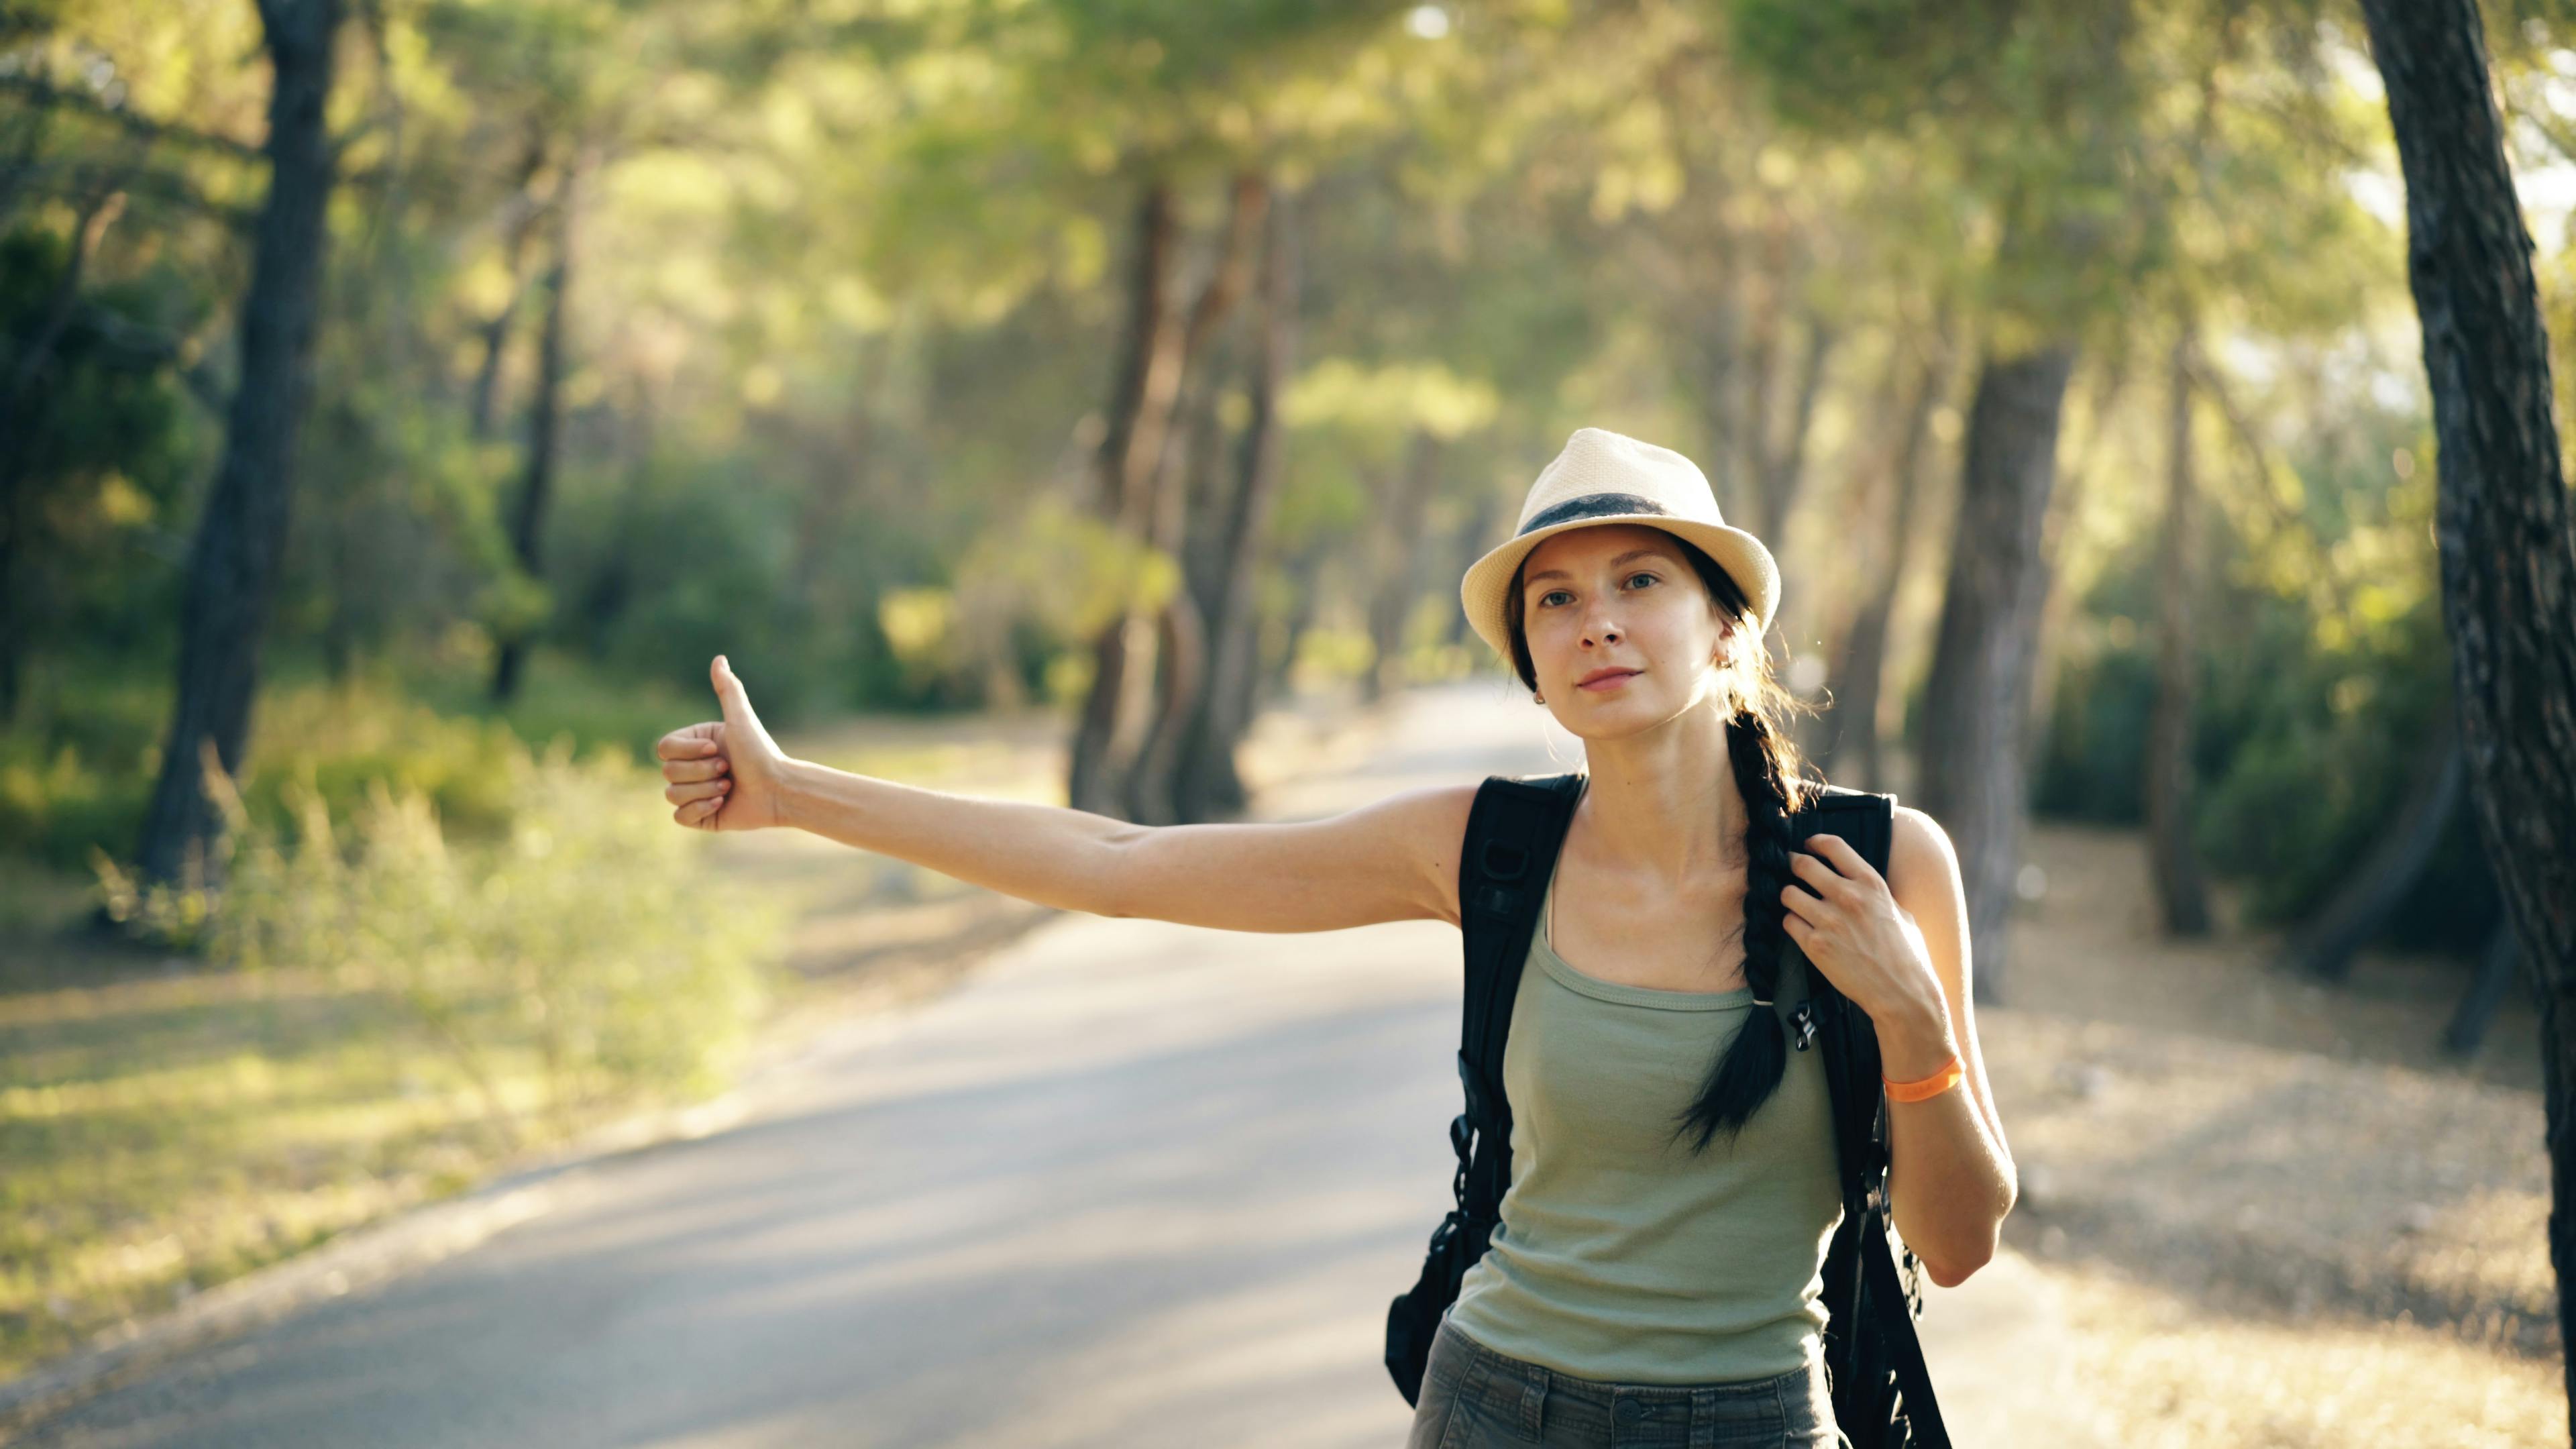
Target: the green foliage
(2323, 670)
(75, 778)
(2092, 765)
(77, 771)
(101, 436)
(385, 1010)
(584, 933)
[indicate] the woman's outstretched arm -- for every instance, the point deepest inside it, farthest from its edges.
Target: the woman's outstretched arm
(1394, 859)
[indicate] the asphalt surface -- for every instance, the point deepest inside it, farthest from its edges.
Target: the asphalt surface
(1129, 1184)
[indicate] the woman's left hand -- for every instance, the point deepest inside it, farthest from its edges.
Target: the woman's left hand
(1844, 916)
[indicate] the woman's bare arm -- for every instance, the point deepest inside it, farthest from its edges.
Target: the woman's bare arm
(1394, 859)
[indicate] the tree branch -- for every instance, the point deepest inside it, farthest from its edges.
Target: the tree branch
(45, 93)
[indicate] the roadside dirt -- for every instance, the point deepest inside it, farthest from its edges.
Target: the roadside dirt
(2272, 1212)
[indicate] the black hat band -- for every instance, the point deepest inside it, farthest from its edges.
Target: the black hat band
(1593, 505)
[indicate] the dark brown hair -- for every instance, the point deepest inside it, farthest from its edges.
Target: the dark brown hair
(1769, 775)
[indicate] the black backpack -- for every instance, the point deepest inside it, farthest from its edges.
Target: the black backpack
(1882, 1392)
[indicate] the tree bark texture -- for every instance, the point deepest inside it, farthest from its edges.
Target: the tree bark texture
(1147, 356)
(1189, 504)
(233, 564)
(2501, 524)
(1972, 777)
(1127, 710)
(1206, 785)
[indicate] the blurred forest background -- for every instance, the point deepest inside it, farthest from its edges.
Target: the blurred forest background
(413, 395)
(810, 333)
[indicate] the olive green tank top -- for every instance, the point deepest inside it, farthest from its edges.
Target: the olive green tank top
(1621, 1256)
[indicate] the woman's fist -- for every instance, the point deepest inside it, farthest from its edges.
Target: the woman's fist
(724, 774)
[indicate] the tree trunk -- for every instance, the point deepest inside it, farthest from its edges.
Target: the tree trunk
(1759, 360)
(1206, 784)
(1182, 645)
(1191, 507)
(1186, 505)
(1151, 504)
(495, 331)
(545, 438)
(1784, 462)
(2488, 986)
(613, 586)
(1971, 776)
(233, 565)
(2324, 944)
(1397, 582)
(1852, 741)
(1720, 346)
(1475, 535)
(2077, 473)
(2182, 894)
(2501, 525)
(1148, 379)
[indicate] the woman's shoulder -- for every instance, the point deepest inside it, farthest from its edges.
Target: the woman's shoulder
(1920, 850)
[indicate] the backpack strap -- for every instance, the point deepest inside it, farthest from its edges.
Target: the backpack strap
(1868, 823)
(1915, 1402)
(1860, 1264)
(1513, 834)
(1514, 830)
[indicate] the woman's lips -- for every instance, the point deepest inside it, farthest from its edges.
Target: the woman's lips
(1609, 681)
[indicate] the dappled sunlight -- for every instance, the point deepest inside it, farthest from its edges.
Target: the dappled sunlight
(439, 1009)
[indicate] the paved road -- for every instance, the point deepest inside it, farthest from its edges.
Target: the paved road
(1131, 1184)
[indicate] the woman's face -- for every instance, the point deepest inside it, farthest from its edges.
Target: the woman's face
(1619, 596)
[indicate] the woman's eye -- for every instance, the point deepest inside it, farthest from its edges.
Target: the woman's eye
(1550, 594)
(1634, 577)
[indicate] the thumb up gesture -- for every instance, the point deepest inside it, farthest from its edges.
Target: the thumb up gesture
(724, 774)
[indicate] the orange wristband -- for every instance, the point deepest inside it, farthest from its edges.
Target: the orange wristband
(1932, 1086)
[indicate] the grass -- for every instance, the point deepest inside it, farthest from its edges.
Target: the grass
(439, 952)
(170, 1121)
(173, 1129)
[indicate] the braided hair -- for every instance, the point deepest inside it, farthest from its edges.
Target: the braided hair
(1769, 777)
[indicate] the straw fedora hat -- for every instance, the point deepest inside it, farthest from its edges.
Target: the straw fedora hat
(1606, 477)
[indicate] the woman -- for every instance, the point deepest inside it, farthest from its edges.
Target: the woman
(1657, 1274)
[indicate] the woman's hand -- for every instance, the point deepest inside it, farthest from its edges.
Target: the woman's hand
(725, 774)
(1842, 914)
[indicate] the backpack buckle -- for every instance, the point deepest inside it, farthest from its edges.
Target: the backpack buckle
(1519, 860)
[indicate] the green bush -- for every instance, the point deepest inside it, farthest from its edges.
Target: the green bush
(588, 934)
(2322, 671)
(56, 805)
